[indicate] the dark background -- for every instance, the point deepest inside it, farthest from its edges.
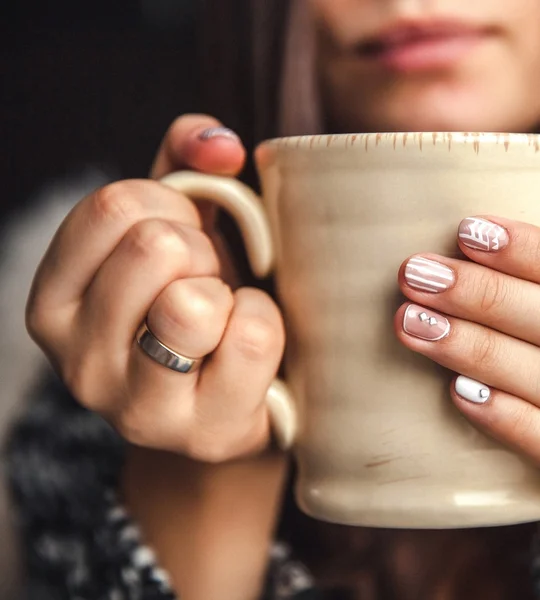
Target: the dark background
(89, 83)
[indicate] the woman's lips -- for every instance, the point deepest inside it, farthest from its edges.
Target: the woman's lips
(421, 47)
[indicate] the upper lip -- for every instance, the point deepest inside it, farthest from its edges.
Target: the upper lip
(402, 33)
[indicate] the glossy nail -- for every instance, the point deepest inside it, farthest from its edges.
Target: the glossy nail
(472, 390)
(480, 234)
(425, 324)
(218, 132)
(428, 275)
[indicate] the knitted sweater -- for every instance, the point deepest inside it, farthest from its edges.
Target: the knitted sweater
(79, 542)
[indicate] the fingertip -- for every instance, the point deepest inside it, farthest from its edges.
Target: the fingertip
(469, 395)
(201, 143)
(215, 150)
(479, 236)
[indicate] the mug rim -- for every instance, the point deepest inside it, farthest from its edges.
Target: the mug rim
(402, 137)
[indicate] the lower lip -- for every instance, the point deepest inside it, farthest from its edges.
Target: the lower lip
(428, 54)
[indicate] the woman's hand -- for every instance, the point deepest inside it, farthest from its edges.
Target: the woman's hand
(138, 249)
(481, 319)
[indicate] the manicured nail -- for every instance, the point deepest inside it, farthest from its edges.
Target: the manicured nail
(472, 390)
(480, 234)
(218, 132)
(425, 324)
(428, 275)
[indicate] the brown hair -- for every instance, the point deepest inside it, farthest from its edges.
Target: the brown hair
(243, 51)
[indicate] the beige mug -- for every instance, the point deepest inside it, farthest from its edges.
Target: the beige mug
(377, 440)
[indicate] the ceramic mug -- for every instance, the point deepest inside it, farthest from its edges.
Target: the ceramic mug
(377, 439)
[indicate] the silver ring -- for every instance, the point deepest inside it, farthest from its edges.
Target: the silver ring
(163, 355)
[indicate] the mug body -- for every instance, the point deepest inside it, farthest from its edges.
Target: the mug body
(379, 442)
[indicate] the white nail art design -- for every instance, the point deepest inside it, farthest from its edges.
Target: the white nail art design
(480, 234)
(428, 275)
(472, 390)
(213, 132)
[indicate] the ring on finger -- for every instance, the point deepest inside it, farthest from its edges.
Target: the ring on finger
(163, 355)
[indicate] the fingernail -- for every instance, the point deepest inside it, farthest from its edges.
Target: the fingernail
(472, 390)
(425, 324)
(428, 275)
(218, 132)
(480, 234)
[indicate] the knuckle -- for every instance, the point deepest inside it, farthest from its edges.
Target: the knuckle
(78, 377)
(133, 425)
(485, 351)
(208, 450)
(257, 337)
(36, 321)
(90, 383)
(43, 321)
(188, 308)
(158, 239)
(117, 202)
(494, 292)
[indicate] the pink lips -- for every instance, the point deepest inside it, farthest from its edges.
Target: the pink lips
(421, 47)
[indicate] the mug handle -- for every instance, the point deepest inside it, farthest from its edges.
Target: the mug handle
(247, 210)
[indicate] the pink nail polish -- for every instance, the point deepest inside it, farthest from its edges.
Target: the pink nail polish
(480, 234)
(428, 275)
(425, 324)
(218, 132)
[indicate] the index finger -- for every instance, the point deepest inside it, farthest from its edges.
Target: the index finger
(201, 143)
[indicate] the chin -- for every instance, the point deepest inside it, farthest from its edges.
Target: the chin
(451, 113)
